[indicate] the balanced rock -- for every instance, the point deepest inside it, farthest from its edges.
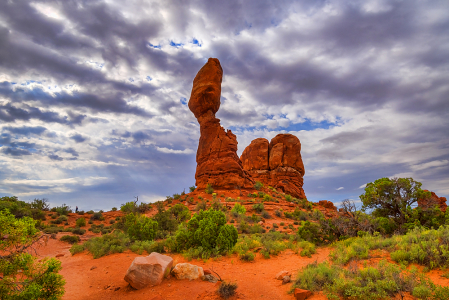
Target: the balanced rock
(187, 271)
(433, 200)
(149, 270)
(278, 163)
(217, 160)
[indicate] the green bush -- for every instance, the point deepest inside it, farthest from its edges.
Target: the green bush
(116, 242)
(180, 212)
(140, 227)
(129, 207)
(238, 209)
(80, 212)
(78, 231)
(207, 229)
(22, 275)
(247, 256)
(97, 216)
(64, 209)
(40, 204)
(265, 215)
(258, 185)
(201, 206)
(114, 209)
(267, 198)
(81, 222)
(209, 189)
(381, 281)
(71, 239)
(307, 248)
(258, 207)
(192, 188)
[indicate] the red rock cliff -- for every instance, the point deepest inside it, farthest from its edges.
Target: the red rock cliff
(432, 201)
(217, 160)
(278, 163)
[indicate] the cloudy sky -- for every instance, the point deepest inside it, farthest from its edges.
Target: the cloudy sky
(93, 93)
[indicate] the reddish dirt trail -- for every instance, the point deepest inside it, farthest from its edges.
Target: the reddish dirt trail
(255, 279)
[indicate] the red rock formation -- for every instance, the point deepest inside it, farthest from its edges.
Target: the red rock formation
(217, 160)
(432, 201)
(278, 163)
(327, 204)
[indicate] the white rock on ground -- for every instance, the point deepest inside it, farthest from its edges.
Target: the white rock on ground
(149, 270)
(187, 271)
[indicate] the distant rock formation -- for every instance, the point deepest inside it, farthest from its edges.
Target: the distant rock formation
(432, 201)
(278, 163)
(217, 160)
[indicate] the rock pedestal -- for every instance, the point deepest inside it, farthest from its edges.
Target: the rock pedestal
(149, 270)
(217, 160)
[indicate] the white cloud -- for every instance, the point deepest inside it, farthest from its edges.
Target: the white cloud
(167, 150)
(340, 188)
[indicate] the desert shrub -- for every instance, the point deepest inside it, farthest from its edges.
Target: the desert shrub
(78, 231)
(265, 215)
(227, 290)
(143, 207)
(22, 276)
(90, 212)
(52, 229)
(256, 228)
(80, 212)
(310, 231)
(278, 213)
(207, 229)
(201, 206)
(192, 188)
(267, 197)
(114, 209)
(116, 242)
(217, 205)
(258, 207)
(16, 207)
(90, 222)
(165, 220)
(317, 215)
(64, 209)
(307, 248)
(247, 256)
(129, 207)
(180, 212)
(238, 209)
(288, 198)
(209, 189)
(97, 216)
(40, 204)
(140, 246)
(258, 185)
(140, 227)
(243, 227)
(112, 221)
(381, 281)
(71, 239)
(63, 218)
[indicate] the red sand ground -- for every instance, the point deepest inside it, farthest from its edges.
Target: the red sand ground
(88, 278)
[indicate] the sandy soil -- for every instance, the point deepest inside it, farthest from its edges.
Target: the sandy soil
(88, 278)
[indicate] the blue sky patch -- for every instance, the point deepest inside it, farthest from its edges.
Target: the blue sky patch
(183, 101)
(177, 45)
(308, 125)
(155, 46)
(196, 42)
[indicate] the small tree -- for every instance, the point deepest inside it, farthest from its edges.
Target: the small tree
(390, 198)
(21, 276)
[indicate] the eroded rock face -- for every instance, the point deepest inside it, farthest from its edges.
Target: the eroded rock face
(278, 163)
(217, 160)
(149, 270)
(432, 201)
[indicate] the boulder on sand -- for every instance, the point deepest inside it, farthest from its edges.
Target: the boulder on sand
(149, 270)
(187, 271)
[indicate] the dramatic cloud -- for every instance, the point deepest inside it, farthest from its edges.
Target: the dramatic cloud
(93, 94)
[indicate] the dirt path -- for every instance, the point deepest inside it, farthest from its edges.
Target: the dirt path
(88, 278)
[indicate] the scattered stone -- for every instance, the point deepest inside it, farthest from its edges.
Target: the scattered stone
(59, 255)
(149, 270)
(116, 289)
(93, 267)
(302, 294)
(207, 271)
(187, 271)
(281, 274)
(286, 279)
(106, 286)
